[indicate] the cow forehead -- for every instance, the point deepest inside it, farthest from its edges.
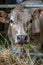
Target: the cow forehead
(21, 15)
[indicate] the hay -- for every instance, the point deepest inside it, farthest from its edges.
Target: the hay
(6, 58)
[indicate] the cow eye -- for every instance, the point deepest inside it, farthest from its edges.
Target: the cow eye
(11, 21)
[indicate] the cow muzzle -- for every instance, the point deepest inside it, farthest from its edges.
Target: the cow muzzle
(22, 38)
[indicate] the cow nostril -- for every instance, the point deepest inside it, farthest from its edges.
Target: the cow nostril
(18, 37)
(22, 37)
(26, 37)
(11, 21)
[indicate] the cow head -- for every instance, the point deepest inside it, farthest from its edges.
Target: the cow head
(19, 23)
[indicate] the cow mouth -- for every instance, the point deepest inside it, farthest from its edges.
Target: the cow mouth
(22, 41)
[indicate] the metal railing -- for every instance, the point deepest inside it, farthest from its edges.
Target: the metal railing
(27, 5)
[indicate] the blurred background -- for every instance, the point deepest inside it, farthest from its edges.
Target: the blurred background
(15, 1)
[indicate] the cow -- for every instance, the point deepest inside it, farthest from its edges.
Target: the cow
(18, 20)
(22, 19)
(23, 22)
(24, 25)
(27, 27)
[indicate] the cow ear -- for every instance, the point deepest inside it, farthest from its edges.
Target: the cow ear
(4, 17)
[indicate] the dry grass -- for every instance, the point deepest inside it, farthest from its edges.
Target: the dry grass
(6, 58)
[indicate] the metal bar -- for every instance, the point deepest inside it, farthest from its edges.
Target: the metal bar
(7, 6)
(31, 54)
(27, 5)
(35, 54)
